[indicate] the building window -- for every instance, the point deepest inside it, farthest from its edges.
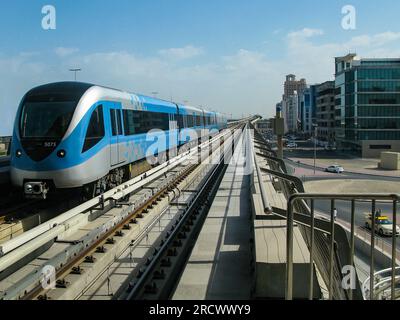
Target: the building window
(380, 147)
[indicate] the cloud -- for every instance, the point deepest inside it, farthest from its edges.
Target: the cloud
(376, 40)
(315, 61)
(305, 33)
(64, 52)
(181, 53)
(240, 82)
(24, 71)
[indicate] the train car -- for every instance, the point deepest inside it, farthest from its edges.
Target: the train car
(190, 123)
(70, 135)
(222, 121)
(210, 119)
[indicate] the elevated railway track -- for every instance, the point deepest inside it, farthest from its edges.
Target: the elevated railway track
(104, 226)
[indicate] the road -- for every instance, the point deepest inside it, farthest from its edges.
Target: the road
(335, 176)
(305, 149)
(344, 207)
(344, 212)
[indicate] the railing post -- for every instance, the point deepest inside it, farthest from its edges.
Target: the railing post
(289, 251)
(372, 264)
(332, 250)
(394, 248)
(352, 237)
(311, 271)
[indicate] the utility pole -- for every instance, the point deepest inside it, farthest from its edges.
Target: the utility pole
(75, 70)
(315, 146)
(279, 130)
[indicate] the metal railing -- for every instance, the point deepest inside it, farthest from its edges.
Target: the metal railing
(383, 284)
(326, 240)
(332, 198)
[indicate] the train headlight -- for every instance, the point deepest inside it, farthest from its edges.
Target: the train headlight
(61, 153)
(18, 153)
(28, 188)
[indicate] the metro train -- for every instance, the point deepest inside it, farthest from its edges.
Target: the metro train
(78, 135)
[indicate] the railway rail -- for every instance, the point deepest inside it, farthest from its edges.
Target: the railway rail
(159, 185)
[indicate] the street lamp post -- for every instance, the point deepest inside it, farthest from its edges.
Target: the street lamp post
(75, 70)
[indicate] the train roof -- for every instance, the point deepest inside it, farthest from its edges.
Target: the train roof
(72, 91)
(209, 112)
(191, 108)
(78, 89)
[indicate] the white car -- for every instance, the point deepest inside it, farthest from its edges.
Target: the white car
(329, 148)
(292, 145)
(383, 226)
(335, 169)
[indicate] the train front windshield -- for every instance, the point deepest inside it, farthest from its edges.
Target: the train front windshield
(46, 119)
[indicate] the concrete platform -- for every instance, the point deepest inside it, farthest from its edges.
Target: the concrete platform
(219, 267)
(270, 247)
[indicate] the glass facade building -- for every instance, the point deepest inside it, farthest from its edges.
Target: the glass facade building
(367, 104)
(307, 104)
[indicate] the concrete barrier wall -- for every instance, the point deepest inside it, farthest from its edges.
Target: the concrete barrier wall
(390, 161)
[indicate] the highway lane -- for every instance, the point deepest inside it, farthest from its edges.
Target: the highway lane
(344, 213)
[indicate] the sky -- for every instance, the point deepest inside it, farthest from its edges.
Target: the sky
(226, 55)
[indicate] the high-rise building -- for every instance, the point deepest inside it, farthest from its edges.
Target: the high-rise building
(290, 102)
(367, 115)
(325, 113)
(290, 107)
(307, 109)
(291, 86)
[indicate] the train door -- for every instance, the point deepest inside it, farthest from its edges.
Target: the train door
(116, 131)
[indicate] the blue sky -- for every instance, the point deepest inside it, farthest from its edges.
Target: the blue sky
(228, 55)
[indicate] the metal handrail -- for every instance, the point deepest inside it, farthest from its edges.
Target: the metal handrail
(264, 198)
(292, 179)
(381, 282)
(331, 239)
(353, 197)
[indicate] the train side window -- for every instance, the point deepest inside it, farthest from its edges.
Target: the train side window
(119, 121)
(116, 125)
(114, 128)
(95, 131)
(180, 121)
(129, 122)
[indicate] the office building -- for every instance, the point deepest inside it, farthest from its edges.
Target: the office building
(325, 113)
(367, 111)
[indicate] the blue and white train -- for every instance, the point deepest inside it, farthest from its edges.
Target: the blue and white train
(72, 135)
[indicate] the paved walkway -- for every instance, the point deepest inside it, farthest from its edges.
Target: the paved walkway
(219, 265)
(270, 247)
